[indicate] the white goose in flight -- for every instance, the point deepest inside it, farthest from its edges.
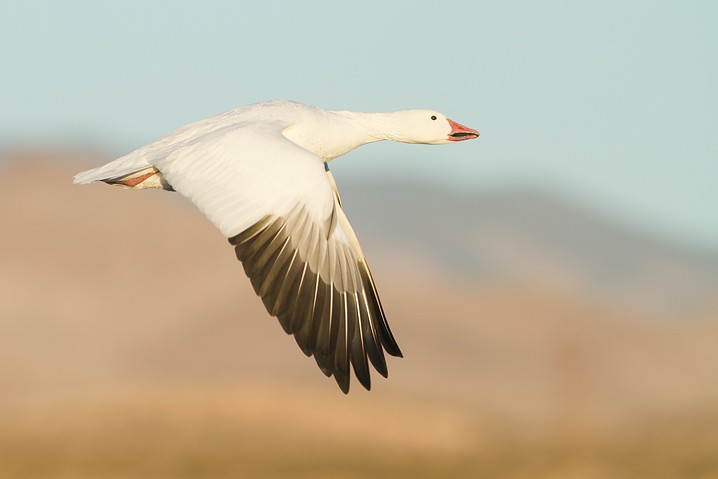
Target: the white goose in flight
(260, 174)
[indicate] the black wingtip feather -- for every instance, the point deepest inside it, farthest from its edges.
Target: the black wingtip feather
(342, 379)
(321, 360)
(343, 331)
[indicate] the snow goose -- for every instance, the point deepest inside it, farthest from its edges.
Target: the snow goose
(260, 174)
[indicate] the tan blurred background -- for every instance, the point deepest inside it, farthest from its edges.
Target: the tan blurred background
(540, 341)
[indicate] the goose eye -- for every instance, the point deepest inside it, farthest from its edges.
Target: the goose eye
(433, 117)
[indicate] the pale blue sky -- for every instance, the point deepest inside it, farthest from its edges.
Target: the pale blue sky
(613, 104)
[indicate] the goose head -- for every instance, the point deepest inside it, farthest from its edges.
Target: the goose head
(334, 133)
(429, 127)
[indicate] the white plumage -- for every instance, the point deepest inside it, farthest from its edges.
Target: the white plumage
(259, 174)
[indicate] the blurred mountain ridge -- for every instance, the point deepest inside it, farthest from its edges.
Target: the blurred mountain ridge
(513, 236)
(530, 236)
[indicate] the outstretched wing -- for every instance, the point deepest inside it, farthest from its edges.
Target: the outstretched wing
(281, 212)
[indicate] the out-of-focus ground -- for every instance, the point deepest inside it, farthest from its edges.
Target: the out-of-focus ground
(539, 340)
